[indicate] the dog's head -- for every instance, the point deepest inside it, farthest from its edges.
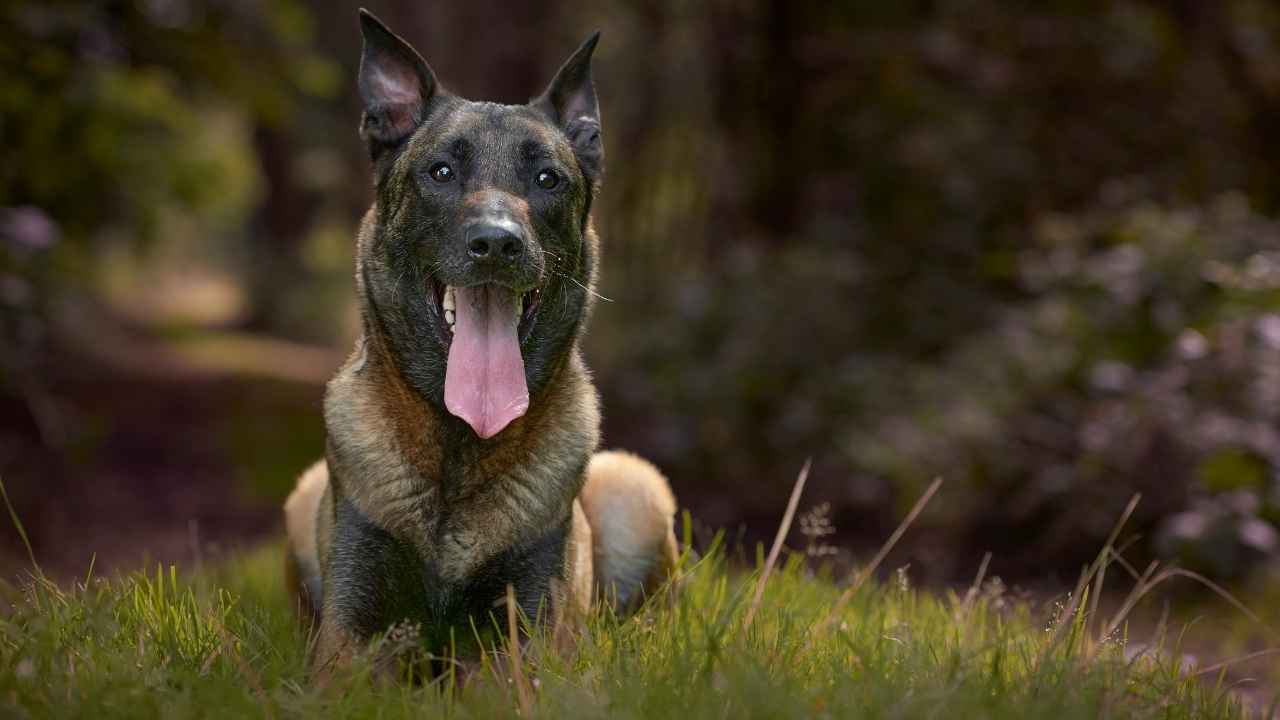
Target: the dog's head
(479, 260)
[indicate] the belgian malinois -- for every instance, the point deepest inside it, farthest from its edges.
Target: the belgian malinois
(462, 431)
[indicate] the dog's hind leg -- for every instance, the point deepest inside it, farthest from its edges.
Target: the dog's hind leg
(630, 508)
(302, 559)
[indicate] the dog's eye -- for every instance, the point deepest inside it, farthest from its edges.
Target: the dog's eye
(441, 172)
(548, 179)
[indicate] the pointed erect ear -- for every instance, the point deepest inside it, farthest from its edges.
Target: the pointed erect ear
(570, 103)
(395, 86)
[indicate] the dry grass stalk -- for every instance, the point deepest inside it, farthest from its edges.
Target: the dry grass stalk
(867, 571)
(783, 528)
(513, 652)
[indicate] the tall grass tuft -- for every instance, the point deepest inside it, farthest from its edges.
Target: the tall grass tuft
(225, 643)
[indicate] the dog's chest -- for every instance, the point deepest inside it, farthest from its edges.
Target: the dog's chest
(378, 579)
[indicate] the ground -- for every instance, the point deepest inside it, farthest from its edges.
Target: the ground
(225, 643)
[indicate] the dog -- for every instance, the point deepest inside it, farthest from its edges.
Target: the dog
(462, 432)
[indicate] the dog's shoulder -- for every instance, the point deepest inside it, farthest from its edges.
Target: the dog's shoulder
(381, 449)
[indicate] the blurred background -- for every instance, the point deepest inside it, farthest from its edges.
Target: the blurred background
(1029, 247)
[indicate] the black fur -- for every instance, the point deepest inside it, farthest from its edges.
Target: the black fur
(415, 495)
(419, 224)
(390, 117)
(378, 580)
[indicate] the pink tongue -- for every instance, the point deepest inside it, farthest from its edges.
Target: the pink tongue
(484, 381)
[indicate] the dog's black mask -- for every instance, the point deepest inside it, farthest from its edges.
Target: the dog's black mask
(479, 260)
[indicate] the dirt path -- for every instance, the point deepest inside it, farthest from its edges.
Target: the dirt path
(139, 449)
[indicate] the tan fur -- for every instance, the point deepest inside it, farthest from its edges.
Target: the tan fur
(581, 566)
(301, 511)
(631, 510)
(385, 457)
(382, 434)
(382, 438)
(622, 545)
(399, 490)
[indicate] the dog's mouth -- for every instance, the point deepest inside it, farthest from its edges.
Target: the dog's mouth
(484, 326)
(447, 303)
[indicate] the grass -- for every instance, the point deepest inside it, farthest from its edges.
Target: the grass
(225, 643)
(782, 641)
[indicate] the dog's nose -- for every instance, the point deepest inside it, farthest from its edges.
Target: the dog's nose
(493, 242)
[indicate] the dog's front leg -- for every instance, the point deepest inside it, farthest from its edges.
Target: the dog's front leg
(372, 580)
(334, 648)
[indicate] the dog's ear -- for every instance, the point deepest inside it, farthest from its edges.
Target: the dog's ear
(396, 85)
(570, 103)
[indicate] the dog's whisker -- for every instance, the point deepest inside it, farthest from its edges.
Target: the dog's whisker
(575, 281)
